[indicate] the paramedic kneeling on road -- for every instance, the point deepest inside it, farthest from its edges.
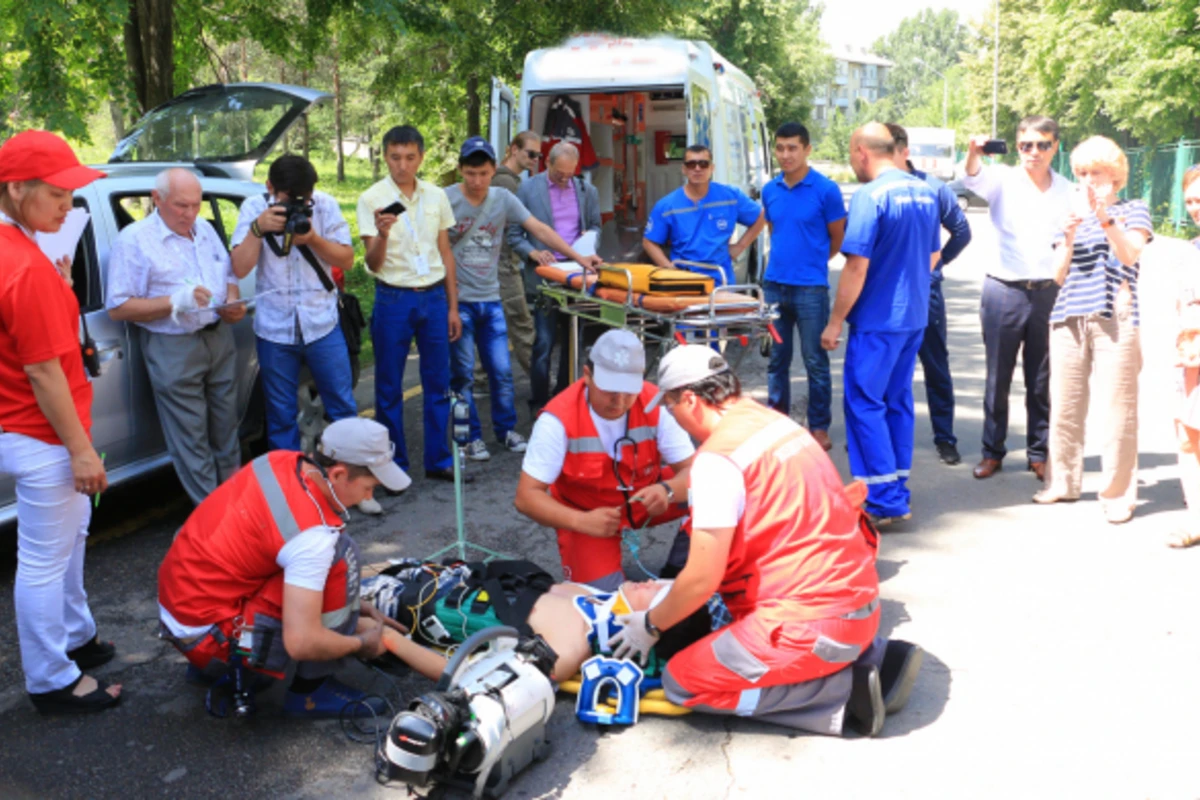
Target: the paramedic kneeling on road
(594, 462)
(263, 562)
(776, 533)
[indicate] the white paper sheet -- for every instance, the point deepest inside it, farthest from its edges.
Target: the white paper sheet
(569, 267)
(245, 301)
(586, 245)
(64, 242)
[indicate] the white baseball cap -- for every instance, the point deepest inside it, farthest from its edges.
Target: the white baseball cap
(364, 443)
(685, 365)
(618, 362)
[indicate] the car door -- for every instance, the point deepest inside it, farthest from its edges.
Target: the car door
(500, 120)
(225, 129)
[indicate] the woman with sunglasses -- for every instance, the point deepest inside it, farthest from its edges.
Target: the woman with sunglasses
(1027, 204)
(1094, 347)
(45, 421)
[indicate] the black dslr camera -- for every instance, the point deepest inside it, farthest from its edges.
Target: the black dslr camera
(299, 216)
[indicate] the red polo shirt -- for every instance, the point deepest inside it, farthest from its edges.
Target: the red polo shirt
(39, 320)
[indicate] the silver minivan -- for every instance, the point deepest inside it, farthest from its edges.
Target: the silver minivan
(222, 132)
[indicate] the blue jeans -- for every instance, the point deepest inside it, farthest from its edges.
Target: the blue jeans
(401, 315)
(878, 404)
(279, 364)
(805, 308)
(549, 327)
(935, 362)
(483, 325)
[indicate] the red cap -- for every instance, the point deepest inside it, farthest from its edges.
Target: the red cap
(43, 156)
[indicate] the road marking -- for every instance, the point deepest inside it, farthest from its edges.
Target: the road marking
(138, 522)
(409, 394)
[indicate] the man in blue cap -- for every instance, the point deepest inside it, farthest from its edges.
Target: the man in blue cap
(483, 213)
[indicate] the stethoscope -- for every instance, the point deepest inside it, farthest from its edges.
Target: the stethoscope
(626, 489)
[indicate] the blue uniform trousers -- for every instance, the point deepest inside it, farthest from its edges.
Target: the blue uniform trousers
(878, 405)
(935, 363)
(400, 315)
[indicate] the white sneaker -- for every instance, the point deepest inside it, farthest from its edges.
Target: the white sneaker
(477, 451)
(515, 442)
(370, 506)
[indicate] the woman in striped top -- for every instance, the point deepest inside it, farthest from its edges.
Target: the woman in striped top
(1094, 330)
(1188, 344)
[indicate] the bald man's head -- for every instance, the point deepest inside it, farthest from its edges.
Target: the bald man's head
(871, 150)
(177, 196)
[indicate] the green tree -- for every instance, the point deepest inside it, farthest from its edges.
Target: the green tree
(834, 144)
(776, 42)
(921, 46)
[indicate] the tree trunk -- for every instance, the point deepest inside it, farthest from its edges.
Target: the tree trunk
(473, 115)
(339, 130)
(304, 142)
(150, 50)
(118, 119)
(245, 69)
(287, 138)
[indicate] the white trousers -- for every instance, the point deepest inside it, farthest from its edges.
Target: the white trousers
(52, 527)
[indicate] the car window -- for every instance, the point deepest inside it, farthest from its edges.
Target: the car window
(220, 210)
(85, 268)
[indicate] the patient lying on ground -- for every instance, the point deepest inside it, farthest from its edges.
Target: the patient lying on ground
(575, 620)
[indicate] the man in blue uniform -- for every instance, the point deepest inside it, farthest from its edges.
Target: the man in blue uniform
(893, 240)
(807, 219)
(934, 354)
(699, 219)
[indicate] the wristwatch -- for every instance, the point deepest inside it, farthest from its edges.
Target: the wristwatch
(670, 491)
(1111, 221)
(651, 628)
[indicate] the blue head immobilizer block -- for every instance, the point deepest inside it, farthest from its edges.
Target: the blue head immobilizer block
(624, 676)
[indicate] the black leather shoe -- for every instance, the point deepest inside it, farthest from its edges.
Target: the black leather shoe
(948, 453)
(92, 654)
(447, 475)
(865, 709)
(901, 663)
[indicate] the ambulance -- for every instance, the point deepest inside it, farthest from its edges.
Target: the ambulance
(931, 150)
(641, 102)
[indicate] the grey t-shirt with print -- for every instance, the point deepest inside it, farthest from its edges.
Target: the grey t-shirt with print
(477, 256)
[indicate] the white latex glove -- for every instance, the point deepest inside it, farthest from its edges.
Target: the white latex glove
(634, 641)
(183, 299)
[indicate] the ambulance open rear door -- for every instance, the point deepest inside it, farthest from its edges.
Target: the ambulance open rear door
(501, 119)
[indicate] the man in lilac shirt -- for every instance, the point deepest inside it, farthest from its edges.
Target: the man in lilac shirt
(571, 206)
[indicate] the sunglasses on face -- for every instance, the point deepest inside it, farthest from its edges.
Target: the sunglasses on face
(532, 154)
(1027, 147)
(702, 163)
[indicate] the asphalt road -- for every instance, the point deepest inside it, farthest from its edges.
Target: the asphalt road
(1060, 649)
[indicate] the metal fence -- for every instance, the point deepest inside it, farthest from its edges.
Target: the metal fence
(1155, 175)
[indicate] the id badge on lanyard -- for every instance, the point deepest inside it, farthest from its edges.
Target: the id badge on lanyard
(420, 260)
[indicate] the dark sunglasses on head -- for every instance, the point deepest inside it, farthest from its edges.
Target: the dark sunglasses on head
(702, 163)
(533, 154)
(1027, 147)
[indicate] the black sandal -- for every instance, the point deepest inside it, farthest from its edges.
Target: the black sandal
(64, 701)
(93, 654)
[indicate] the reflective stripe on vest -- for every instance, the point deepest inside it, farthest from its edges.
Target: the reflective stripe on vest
(585, 444)
(642, 433)
(336, 618)
(285, 520)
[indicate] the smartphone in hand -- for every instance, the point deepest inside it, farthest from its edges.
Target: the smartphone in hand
(396, 208)
(995, 147)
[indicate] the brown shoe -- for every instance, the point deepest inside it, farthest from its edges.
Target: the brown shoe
(987, 467)
(822, 438)
(1038, 468)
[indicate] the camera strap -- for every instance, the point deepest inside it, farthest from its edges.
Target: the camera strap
(311, 258)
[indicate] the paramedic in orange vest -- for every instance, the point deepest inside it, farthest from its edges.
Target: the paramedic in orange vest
(793, 557)
(264, 565)
(594, 464)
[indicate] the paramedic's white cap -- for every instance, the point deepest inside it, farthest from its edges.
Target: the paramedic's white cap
(685, 365)
(364, 443)
(618, 362)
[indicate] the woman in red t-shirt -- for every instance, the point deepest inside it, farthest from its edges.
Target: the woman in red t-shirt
(45, 430)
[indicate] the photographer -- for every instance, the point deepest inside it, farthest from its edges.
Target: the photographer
(296, 322)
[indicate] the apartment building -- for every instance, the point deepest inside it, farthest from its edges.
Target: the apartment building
(858, 75)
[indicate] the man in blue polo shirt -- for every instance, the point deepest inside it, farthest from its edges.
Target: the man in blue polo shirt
(934, 353)
(699, 218)
(895, 232)
(807, 219)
